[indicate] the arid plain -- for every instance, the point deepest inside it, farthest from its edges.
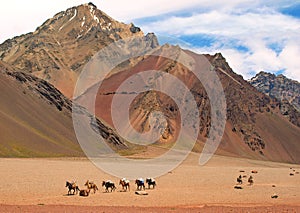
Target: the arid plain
(39, 185)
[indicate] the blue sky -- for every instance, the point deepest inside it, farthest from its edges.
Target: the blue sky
(253, 35)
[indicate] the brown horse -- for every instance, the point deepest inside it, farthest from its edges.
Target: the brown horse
(109, 184)
(91, 185)
(250, 180)
(125, 184)
(140, 184)
(72, 186)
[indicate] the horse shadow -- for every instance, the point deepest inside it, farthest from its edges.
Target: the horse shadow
(149, 188)
(107, 192)
(67, 195)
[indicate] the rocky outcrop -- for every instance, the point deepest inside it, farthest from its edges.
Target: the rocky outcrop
(44, 89)
(278, 87)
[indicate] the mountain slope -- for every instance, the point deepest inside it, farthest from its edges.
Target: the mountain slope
(246, 133)
(58, 49)
(29, 126)
(279, 87)
(35, 118)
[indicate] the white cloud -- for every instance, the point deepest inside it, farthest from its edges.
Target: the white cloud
(256, 31)
(230, 25)
(290, 58)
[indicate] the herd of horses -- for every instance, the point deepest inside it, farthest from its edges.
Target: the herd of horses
(109, 186)
(239, 180)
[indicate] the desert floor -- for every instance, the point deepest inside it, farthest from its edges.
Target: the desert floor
(28, 185)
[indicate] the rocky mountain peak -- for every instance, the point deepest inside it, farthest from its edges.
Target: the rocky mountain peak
(58, 50)
(77, 21)
(279, 87)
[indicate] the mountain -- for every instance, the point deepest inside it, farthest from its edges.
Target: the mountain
(35, 118)
(255, 127)
(64, 46)
(279, 87)
(58, 49)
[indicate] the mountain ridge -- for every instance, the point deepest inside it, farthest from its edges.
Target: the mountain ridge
(36, 119)
(280, 87)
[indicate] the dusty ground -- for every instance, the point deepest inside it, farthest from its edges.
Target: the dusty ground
(39, 185)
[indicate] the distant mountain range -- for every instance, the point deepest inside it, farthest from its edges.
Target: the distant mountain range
(256, 127)
(279, 87)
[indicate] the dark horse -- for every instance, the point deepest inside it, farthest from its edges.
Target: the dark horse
(72, 186)
(239, 180)
(109, 184)
(125, 184)
(140, 184)
(150, 182)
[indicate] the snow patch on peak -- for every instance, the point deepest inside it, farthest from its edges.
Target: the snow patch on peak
(75, 14)
(96, 18)
(92, 12)
(83, 21)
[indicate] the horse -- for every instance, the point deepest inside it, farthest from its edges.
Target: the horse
(140, 184)
(250, 180)
(125, 184)
(150, 181)
(84, 192)
(109, 184)
(91, 185)
(72, 186)
(239, 180)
